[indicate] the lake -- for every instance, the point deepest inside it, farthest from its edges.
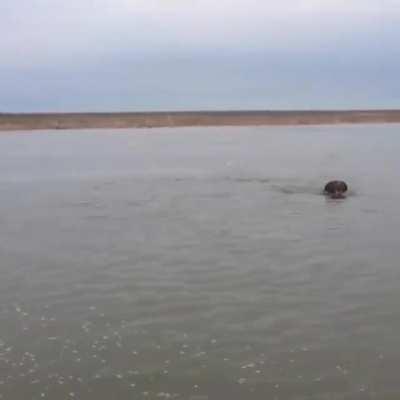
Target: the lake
(200, 264)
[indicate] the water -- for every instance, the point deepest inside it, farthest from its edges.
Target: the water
(199, 263)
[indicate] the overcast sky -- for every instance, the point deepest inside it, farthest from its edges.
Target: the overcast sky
(118, 55)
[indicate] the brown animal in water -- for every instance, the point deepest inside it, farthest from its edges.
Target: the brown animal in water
(336, 189)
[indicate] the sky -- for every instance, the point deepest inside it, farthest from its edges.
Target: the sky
(145, 55)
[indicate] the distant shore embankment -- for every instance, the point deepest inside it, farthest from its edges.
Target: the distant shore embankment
(12, 122)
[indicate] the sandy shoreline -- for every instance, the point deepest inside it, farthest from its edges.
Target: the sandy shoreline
(12, 122)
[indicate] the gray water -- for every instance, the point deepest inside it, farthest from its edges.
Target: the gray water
(200, 263)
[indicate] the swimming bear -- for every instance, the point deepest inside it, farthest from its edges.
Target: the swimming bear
(336, 189)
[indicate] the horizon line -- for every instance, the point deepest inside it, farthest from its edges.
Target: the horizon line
(201, 111)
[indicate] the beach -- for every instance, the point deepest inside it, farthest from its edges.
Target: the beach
(198, 118)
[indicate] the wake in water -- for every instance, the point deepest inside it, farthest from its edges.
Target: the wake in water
(291, 186)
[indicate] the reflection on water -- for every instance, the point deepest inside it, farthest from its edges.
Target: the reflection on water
(199, 264)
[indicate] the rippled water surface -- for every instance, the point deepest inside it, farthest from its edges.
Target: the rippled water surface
(199, 264)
